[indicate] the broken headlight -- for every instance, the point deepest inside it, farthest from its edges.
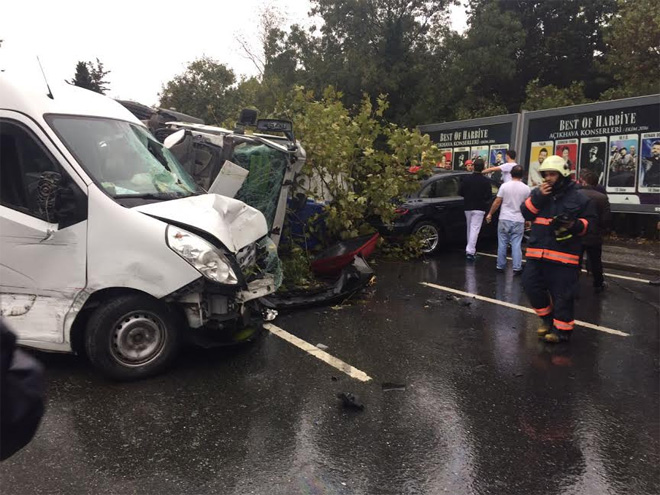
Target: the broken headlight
(204, 256)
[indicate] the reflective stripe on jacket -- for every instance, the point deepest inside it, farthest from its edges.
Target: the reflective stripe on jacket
(541, 210)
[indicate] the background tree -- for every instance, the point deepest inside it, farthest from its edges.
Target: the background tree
(205, 90)
(82, 78)
(482, 76)
(556, 43)
(375, 47)
(98, 74)
(632, 56)
(541, 97)
(90, 75)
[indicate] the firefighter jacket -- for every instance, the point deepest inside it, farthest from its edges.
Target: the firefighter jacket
(545, 243)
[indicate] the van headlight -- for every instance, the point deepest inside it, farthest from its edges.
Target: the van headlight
(204, 256)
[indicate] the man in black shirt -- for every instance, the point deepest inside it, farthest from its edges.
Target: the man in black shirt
(476, 189)
(592, 241)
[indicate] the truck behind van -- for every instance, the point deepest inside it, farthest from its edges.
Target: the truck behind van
(108, 246)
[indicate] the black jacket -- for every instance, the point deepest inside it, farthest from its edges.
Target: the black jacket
(541, 210)
(476, 189)
(21, 395)
(600, 202)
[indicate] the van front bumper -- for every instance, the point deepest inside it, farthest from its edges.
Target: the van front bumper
(205, 303)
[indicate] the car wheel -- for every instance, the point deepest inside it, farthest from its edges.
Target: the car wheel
(429, 233)
(132, 337)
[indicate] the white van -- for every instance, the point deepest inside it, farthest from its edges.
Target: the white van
(108, 246)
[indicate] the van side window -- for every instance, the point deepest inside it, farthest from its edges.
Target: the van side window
(23, 161)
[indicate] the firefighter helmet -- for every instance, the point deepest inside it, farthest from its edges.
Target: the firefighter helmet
(555, 163)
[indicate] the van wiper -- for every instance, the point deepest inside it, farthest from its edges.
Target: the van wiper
(161, 195)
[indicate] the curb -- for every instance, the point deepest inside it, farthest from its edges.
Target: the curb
(613, 265)
(631, 268)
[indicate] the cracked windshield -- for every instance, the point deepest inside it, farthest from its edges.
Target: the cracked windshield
(124, 158)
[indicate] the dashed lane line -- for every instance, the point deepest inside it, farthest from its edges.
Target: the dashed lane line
(522, 308)
(644, 281)
(318, 353)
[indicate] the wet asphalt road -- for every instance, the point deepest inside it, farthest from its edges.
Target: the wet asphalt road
(486, 409)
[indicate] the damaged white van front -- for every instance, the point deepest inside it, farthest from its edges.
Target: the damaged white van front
(108, 246)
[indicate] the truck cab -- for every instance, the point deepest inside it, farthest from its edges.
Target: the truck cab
(108, 246)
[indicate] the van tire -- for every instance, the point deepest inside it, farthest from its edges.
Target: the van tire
(132, 337)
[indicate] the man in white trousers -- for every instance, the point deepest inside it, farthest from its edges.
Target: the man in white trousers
(477, 193)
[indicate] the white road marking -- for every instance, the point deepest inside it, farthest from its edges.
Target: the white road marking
(644, 281)
(318, 353)
(522, 308)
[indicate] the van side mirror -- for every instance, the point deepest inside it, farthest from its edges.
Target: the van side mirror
(175, 138)
(58, 202)
(48, 188)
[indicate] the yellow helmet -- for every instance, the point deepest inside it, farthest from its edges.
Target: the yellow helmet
(555, 163)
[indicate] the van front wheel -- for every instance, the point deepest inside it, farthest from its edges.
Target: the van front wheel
(132, 337)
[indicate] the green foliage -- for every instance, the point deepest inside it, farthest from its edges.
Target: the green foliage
(557, 43)
(541, 97)
(375, 47)
(358, 160)
(633, 55)
(297, 269)
(205, 90)
(90, 75)
(406, 249)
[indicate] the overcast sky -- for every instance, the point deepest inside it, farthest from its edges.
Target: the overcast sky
(143, 43)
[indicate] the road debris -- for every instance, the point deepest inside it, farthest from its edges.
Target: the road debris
(350, 401)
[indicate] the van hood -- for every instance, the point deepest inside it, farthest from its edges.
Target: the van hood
(232, 222)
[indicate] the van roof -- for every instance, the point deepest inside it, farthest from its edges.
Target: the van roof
(31, 98)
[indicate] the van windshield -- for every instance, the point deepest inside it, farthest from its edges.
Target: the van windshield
(124, 158)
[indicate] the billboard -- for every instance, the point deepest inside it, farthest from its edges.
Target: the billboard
(615, 139)
(619, 140)
(469, 139)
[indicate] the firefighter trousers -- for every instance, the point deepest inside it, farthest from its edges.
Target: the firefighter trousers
(551, 290)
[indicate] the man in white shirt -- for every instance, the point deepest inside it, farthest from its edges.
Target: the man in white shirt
(511, 226)
(505, 168)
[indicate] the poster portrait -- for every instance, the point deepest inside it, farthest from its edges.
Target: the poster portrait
(445, 159)
(497, 155)
(649, 167)
(622, 167)
(593, 153)
(461, 155)
(568, 150)
(540, 150)
(480, 151)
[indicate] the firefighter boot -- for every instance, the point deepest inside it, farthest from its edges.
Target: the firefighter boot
(544, 328)
(555, 336)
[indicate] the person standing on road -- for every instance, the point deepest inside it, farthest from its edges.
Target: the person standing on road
(592, 242)
(560, 217)
(511, 226)
(476, 191)
(505, 168)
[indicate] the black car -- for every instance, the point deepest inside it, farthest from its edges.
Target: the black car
(435, 212)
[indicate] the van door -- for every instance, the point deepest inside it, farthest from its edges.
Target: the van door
(43, 234)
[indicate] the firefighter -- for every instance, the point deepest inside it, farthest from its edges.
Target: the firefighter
(560, 215)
